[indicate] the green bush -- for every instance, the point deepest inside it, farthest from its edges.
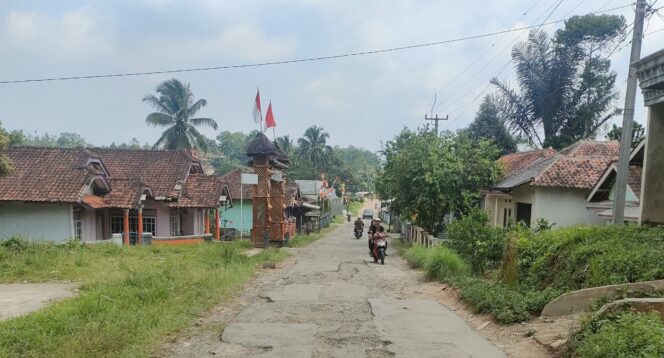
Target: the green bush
(475, 241)
(590, 256)
(15, 244)
(624, 334)
(443, 264)
(415, 256)
(507, 304)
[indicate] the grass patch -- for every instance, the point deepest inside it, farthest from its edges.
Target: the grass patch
(130, 296)
(443, 264)
(415, 256)
(624, 334)
(590, 256)
(508, 304)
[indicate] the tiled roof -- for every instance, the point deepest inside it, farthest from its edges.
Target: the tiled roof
(47, 175)
(233, 181)
(124, 194)
(201, 191)
(577, 166)
(161, 170)
(515, 162)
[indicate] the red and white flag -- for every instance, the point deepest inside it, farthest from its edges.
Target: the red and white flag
(256, 111)
(269, 117)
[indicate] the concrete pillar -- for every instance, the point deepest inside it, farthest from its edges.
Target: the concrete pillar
(126, 227)
(140, 225)
(650, 70)
(206, 220)
(652, 183)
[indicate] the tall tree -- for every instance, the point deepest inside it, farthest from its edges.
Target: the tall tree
(285, 143)
(638, 133)
(175, 109)
(432, 175)
(313, 147)
(566, 85)
(487, 125)
(5, 163)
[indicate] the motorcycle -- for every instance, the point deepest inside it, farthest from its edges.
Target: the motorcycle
(379, 247)
(358, 233)
(348, 217)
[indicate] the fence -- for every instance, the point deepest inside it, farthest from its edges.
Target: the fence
(415, 235)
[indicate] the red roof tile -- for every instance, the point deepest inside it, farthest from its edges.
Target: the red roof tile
(233, 181)
(161, 170)
(201, 191)
(580, 165)
(515, 162)
(47, 175)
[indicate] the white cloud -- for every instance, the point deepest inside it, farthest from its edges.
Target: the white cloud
(19, 25)
(71, 36)
(250, 43)
(332, 93)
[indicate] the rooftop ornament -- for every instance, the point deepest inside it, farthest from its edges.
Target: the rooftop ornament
(650, 70)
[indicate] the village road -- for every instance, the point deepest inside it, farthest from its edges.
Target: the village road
(333, 301)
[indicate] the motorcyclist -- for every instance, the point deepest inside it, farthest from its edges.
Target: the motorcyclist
(359, 224)
(373, 229)
(381, 235)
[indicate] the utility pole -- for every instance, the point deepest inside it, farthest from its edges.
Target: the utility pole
(628, 117)
(436, 119)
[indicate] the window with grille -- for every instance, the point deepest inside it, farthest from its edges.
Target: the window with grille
(77, 224)
(149, 224)
(175, 222)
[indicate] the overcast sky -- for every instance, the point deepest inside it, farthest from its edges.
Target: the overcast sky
(359, 100)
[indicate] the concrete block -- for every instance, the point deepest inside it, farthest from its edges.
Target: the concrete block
(582, 300)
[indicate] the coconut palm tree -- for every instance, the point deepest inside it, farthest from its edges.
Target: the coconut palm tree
(313, 146)
(175, 108)
(286, 144)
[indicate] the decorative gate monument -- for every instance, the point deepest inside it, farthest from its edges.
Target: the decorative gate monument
(268, 162)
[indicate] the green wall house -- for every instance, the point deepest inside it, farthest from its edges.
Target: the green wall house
(240, 216)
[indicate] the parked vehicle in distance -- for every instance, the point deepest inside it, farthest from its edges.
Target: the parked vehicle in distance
(367, 214)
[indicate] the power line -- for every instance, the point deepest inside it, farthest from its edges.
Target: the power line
(459, 94)
(469, 103)
(282, 62)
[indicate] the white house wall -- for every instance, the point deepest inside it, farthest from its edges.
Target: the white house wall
(565, 207)
(36, 222)
(163, 217)
(495, 206)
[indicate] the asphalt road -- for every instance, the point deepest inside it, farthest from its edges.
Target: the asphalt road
(335, 302)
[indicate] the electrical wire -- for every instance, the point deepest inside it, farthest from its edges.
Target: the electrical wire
(459, 94)
(281, 62)
(474, 99)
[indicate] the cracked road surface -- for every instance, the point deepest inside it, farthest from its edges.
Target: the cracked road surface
(335, 302)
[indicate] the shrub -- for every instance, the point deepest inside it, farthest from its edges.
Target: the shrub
(507, 305)
(475, 241)
(443, 264)
(15, 244)
(415, 256)
(590, 256)
(623, 334)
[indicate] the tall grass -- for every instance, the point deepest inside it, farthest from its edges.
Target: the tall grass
(443, 264)
(129, 297)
